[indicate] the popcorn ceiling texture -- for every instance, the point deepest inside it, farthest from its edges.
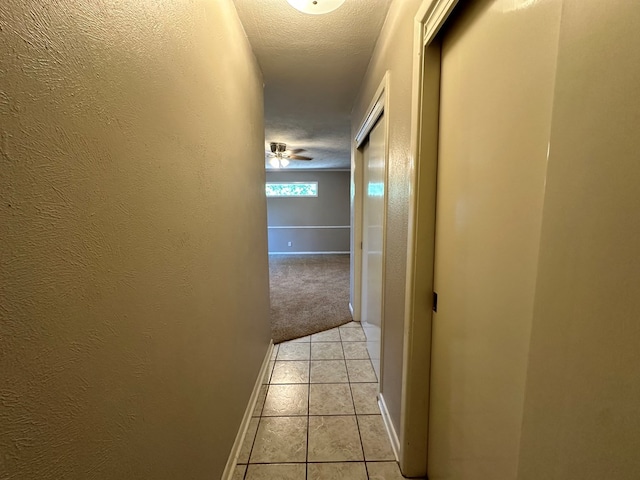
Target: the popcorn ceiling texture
(313, 66)
(128, 250)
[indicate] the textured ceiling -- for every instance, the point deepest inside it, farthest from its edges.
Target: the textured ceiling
(313, 66)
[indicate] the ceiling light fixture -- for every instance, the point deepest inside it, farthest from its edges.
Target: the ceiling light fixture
(278, 162)
(316, 7)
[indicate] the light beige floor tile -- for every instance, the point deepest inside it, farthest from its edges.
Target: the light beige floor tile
(361, 371)
(280, 439)
(352, 335)
(351, 325)
(328, 371)
(275, 471)
(337, 471)
(294, 351)
(332, 335)
(334, 439)
(257, 411)
(290, 372)
(245, 450)
(286, 400)
(375, 439)
(330, 399)
(326, 351)
(274, 352)
(238, 473)
(365, 398)
(355, 350)
(384, 471)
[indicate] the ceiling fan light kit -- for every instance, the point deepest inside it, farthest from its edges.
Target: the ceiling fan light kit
(316, 7)
(278, 162)
(280, 156)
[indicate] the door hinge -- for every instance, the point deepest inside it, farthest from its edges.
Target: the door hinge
(360, 245)
(435, 302)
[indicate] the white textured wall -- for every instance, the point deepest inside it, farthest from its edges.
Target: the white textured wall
(129, 242)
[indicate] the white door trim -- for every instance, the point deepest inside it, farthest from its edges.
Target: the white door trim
(379, 105)
(374, 112)
(414, 421)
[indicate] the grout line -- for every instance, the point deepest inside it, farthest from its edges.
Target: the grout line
(252, 445)
(321, 461)
(259, 417)
(286, 415)
(309, 360)
(306, 465)
(355, 412)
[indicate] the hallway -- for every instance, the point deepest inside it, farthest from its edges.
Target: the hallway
(317, 417)
(135, 152)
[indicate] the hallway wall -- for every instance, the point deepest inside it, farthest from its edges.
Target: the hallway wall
(393, 53)
(129, 349)
(580, 415)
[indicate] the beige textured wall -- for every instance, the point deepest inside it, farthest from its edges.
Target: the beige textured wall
(581, 414)
(582, 404)
(130, 241)
(393, 53)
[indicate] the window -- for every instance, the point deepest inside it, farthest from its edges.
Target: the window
(292, 189)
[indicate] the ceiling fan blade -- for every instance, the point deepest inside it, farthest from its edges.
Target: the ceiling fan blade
(297, 150)
(299, 157)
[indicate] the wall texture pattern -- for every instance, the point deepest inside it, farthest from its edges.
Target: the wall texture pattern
(127, 253)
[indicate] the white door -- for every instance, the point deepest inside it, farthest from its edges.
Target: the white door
(372, 240)
(497, 78)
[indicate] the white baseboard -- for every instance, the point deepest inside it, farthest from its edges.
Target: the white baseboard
(309, 253)
(393, 436)
(248, 413)
(351, 310)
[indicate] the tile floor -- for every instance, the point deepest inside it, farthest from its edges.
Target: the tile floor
(317, 417)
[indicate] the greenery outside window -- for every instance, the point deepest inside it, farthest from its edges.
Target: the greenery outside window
(292, 189)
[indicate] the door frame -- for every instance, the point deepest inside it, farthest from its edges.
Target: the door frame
(379, 105)
(425, 113)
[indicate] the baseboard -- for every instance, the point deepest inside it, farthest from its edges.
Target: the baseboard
(248, 413)
(393, 436)
(309, 253)
(353, 317)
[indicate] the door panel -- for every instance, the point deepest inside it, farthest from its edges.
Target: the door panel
(498, 69)
(372, 233)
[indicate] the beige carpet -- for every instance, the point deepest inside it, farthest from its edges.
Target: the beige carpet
(309, 293)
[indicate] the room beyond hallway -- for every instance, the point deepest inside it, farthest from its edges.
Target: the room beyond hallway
(309, 294)
(317, 417)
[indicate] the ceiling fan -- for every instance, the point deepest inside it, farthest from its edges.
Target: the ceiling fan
(280, 156)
